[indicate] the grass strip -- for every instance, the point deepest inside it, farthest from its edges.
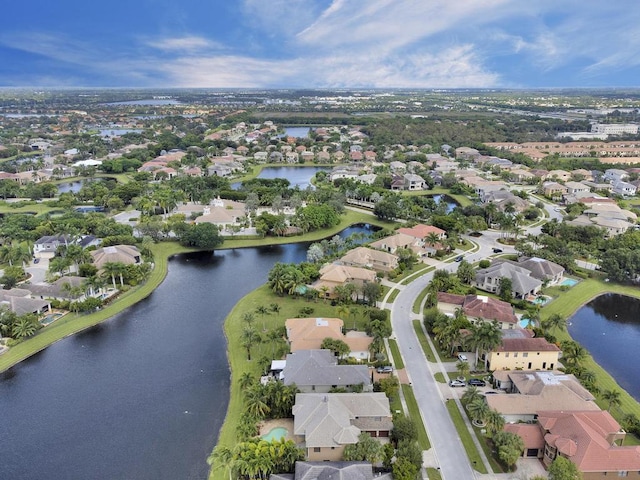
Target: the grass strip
(395, 353)
(465, 437)
(488, 452)
(434, 474)
(414, 413)
(418, 303)
(391, 298)
(422, 338)
(439, 377)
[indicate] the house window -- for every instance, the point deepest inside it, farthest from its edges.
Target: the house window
(525, 354)
(316, 449)
(622, 473)
(506, 354)
(515, 354)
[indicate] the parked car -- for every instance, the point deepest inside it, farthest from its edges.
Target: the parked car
(497, 250)
(476, 382)
(36, 260)
(459, 258)
(385, 369)
(457, 383)
(462, 357)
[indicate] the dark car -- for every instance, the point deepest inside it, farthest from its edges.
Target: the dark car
(459, 258)
(497, 250)
(476, 382)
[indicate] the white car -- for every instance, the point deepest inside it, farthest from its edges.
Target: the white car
(462, 358)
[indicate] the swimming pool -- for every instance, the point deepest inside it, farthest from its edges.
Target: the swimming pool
(277, 433)
(524, 323)
(568, 282)
(541, 300)
(50, 318)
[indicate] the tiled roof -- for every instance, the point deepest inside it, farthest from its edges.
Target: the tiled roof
(537, 344)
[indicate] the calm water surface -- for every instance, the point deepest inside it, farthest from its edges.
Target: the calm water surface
(609, 327)
(297, 176)
(143, 395)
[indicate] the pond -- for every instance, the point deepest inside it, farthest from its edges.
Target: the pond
(297, 176)
(297, 132)
(609, 327)
(75, 186)
(451, 204)
(143, 395)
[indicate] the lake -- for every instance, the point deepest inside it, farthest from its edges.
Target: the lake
(297, 176)
(609, 327)
(144, 394)
(75, 186)
(149, 101)
(297, 132)
(451, 204)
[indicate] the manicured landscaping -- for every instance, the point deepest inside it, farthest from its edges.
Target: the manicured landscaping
(417, 305)
(566, 306)
(394, 293)
(439, 377)
(424, 343)
(434, 474)
(414, 413)
(465, 437)
(395, 353)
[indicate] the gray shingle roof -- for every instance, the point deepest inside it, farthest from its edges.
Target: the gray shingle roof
(320, 367)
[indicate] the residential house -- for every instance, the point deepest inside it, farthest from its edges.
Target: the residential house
(523, 284)
(326, 423)
(333, 275)
(559, 175)
(45, 247)
(624, 188)
(589, 439)
(332, 471)
(523, 354)
(613, 175)
(544, 270)
(127, 254)
(576, 187)
(478, 308)
(20, 302)
(61, 289)
(318, 371)
(392, 243)
(528, 392)
(370, 258)
(423, 232)
(222, 212)
(554, 190)
(309, 333)
(413, 182)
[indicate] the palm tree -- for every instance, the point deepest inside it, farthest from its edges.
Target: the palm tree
(553, 322)
(254, 402)
(262, 311)
(24, 327)
(471, 394)
(612, 397)
(484, 336)
(249, 338)
(463, 368)
(275, 307)
(246, 380)
(495, 422)
(572, 353)
(222, 457)
(112, 269)
(479, 410)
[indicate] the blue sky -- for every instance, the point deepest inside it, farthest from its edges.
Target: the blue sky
(320, 43)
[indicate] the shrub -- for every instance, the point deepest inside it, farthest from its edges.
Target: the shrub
(484, 263)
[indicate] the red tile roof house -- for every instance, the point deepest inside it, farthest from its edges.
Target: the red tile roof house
(589, 439)
(479, 308)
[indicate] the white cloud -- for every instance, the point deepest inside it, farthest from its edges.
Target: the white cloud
(184, 44)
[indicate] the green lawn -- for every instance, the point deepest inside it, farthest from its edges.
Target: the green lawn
(418, 303)
(566, 305)
(424, 343)
(434, 474)
(465, 437)
(414, 413)
(496, 466)
(407, 279)
(393, 295)
(439, 377)
(395, 353)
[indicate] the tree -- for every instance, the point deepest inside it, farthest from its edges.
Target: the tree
(404, 428)
(478, 409)
(254, 402)
(25, 326)
(494, 421)
(554, 322)
(365, 450)
(564, 469)
(338, 347)
(262, 311)
(506, 289)
(510, 447)
(403, 469)
(222, 457)
(463, 368)
(470, 394)
(612, 397)
(372, 291)
(465, 272)
(248, 338)
(204, 236)
(484, 336)
(572, 353)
